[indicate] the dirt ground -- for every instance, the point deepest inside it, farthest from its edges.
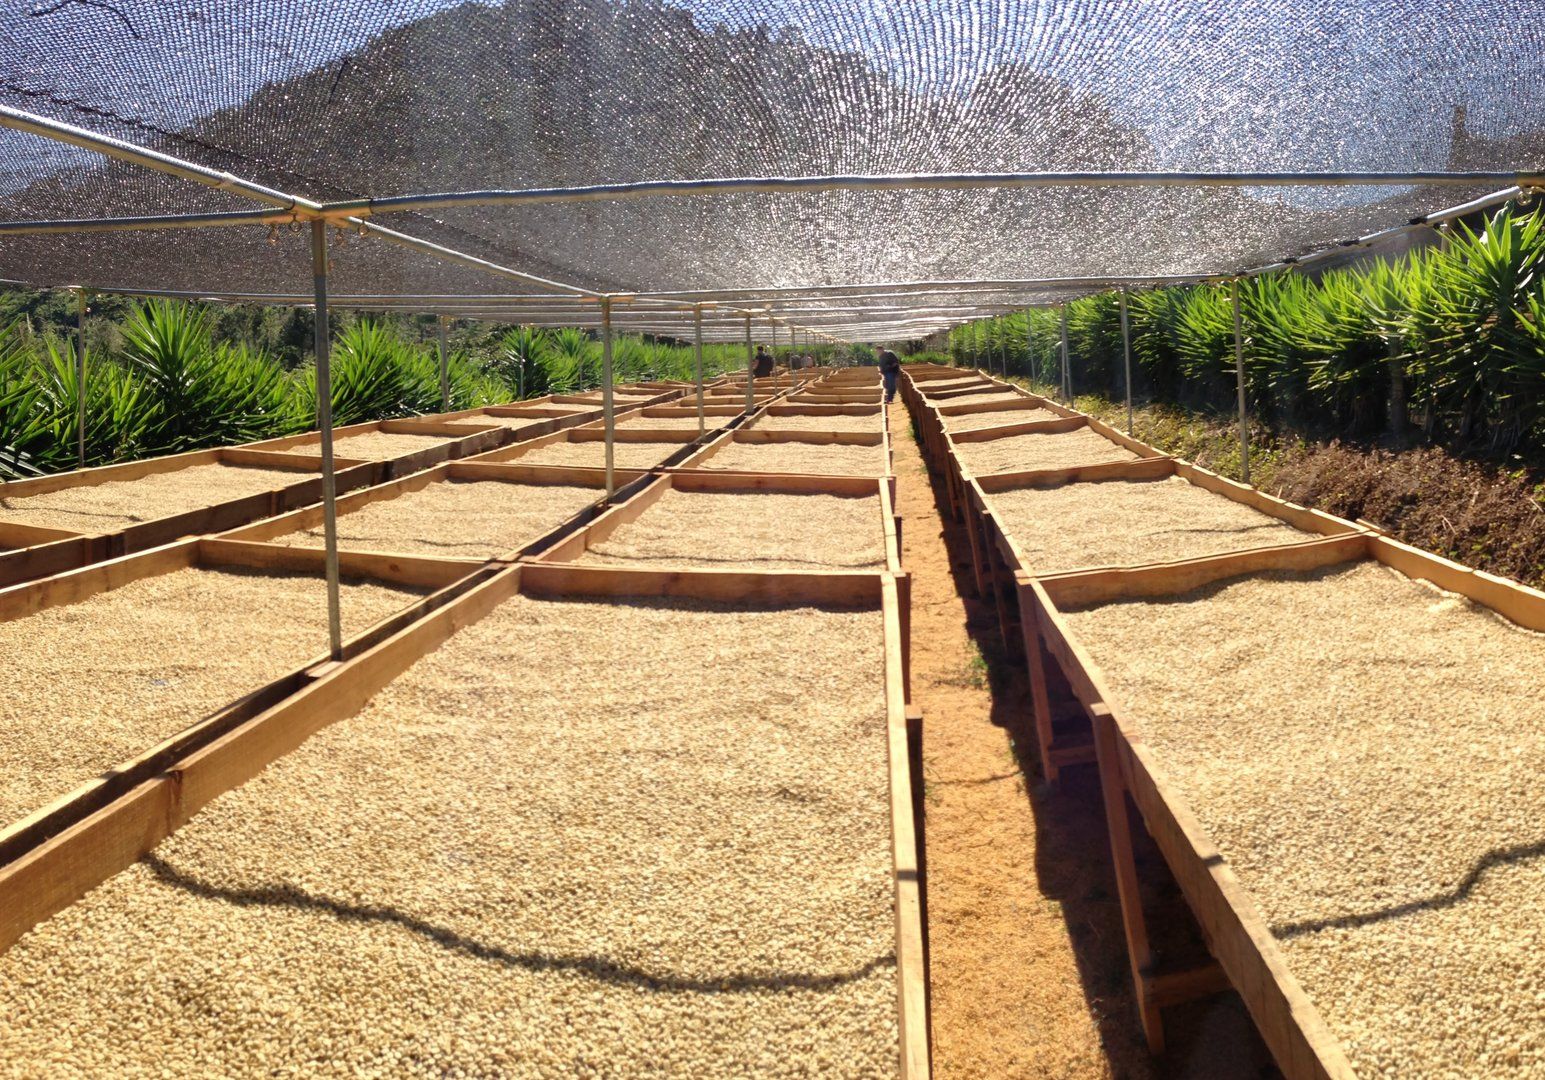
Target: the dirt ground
(1027, 962)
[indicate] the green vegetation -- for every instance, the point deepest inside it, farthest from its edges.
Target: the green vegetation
(164, 377)
(1449, 339)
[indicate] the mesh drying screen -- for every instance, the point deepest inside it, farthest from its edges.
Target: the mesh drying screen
(357, 98)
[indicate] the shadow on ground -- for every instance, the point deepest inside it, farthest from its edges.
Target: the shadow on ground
(1207, 1039)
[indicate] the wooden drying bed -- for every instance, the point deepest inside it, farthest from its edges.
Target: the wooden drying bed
(116, 667)
(633, 448)
(744, 522)
(1240, 936)
(811, 453)
(694, 809)
(462, 509)
(119, 509)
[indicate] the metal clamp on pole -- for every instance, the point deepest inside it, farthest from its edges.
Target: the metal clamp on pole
(325, 426)
(608, 413)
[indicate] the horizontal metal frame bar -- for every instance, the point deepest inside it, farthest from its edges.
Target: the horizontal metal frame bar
(647, 189)
(58, 131)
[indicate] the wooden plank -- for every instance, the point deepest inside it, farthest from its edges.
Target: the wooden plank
(103, 474)
(942, 397)
(911, 953)
(689, 412)
(809, 438)
(480, 468)
(17, 535)
(1133, 922)
(1035, 662)
(607, 522)
(1299, 517)
(1177, 987)
(1026, 427)
(774, 588)
(275, 459)
(52, 557)
(77, 584)
(1076, 588)
(1141, 469)
(1235, 932)
(1121, 438)
(312, 515)
(823, 410)
(423, 571)
(52, 876)
(787, 483)
(1008, 404)
(597, 433)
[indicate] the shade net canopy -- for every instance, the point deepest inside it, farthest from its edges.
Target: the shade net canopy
(363, 98)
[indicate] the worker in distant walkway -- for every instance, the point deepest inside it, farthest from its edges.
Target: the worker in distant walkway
(890, 371)
(763, 366)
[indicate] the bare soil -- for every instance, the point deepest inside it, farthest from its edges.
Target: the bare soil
(1028, 966)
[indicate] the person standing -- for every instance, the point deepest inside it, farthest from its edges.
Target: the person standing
(890, 371)
(763, 365)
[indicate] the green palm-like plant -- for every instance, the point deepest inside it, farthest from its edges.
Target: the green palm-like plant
(566, 360)
(516, 361)
(196, 393)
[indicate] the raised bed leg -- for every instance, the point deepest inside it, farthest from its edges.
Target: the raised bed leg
(1119, 822)
(976, 558)
(996, 573)
(1035, 661)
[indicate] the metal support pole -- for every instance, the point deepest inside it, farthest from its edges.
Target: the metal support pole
(325, 426)
(1029, 346)
(697, 349)
(608, 413)
(445, 367)
(1067, 362)
(1003, 350)
(750, 367)
(1239, 375)
(80, 379)
(1126, 351)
